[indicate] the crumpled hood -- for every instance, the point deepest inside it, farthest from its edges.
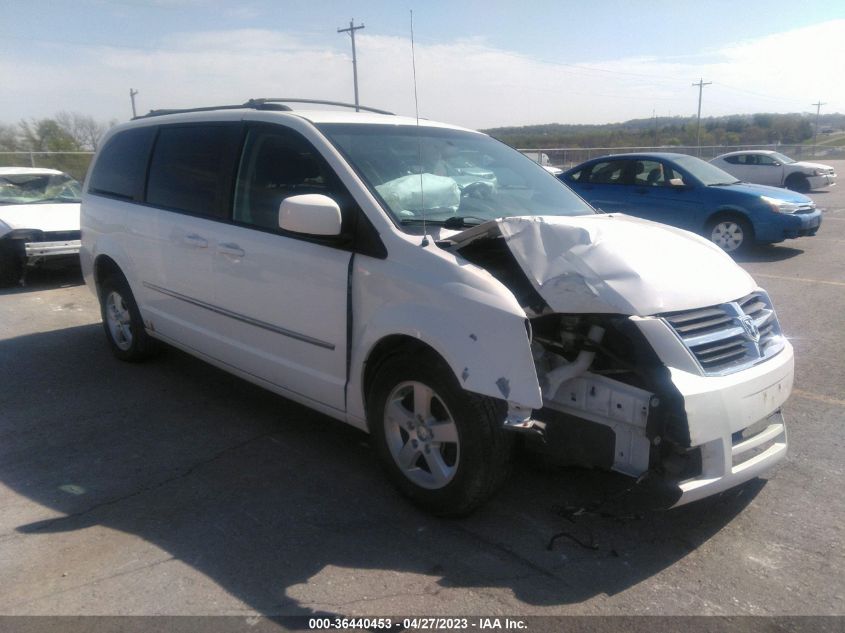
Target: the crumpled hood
(44, 217)
(617, 264)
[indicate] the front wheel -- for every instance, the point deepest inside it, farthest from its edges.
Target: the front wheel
(11, 266)
(732, 234)
(798, 182)
(443, 448)
(125, 332)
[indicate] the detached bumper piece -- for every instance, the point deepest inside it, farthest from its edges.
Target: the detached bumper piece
(751, 452)
(51, 249)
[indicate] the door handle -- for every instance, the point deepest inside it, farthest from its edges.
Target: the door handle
(230, 250)
(195, 241)
(641, 190)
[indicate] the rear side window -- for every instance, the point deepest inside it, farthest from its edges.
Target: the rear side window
(607, 173)
(192, 169)
(122, 164)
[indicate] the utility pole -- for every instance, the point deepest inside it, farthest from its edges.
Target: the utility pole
(132, 94)
(701, 83)
(816, 135)
(654, 126)
(351, 30)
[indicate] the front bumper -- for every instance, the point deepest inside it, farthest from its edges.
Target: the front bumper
(735, 421)
(782, 226)
(822, 181)
(736, 428)
(51, 249)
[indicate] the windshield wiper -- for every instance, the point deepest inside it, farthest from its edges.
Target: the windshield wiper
(58, 199)
(463, 221)
(725, 184)
(452, 222)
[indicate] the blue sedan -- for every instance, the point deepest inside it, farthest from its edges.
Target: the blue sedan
(689, 193)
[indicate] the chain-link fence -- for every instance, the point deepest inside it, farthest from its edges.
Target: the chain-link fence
(566, 157)
(73, 163)
(76, 163)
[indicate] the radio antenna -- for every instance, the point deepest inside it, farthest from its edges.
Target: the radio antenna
(419, 141)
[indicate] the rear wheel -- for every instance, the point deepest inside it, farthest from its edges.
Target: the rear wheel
(125, 332)
(731, 233)
(443, 448)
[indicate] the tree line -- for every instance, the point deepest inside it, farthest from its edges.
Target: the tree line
(752, 129)
(64, 132)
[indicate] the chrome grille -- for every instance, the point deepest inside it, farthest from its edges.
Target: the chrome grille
(731, 336)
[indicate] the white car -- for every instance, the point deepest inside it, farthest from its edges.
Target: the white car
(39, 219)
(317, 254)
(765, 167)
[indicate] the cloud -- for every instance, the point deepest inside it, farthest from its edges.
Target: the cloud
(468, 82)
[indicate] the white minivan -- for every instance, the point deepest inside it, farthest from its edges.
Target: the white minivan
(435, 288)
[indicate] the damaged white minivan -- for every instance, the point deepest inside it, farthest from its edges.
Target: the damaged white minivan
(437, 289)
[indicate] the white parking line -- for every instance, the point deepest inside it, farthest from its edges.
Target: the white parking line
(808, 395)
(812, 281)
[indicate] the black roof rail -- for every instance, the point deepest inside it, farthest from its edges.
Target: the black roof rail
(259, 104)
(206, 109)
(262, 103)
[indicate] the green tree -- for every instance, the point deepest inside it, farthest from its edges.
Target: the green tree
(47, 135)
(9, 138)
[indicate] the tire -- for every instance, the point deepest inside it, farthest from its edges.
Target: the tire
(125, 332)
(731, 233)
(450, 476)
(798, 182)
(11, 266)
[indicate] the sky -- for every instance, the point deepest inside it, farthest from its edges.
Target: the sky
(478, 64)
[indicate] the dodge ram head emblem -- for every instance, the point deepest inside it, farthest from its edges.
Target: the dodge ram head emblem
(749, 328)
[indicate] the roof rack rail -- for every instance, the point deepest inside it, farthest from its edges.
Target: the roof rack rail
(259, 104)
(240, 106)
(264, 102)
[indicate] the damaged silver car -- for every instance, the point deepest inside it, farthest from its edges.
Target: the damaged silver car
(435, 288)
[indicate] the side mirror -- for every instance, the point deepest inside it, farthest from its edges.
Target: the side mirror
(677, 183)
(311, 214)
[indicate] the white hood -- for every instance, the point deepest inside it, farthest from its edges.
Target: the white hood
(618, 264)
(44, 217)
(808, 165)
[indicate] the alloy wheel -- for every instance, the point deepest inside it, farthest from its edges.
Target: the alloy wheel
(421, 435)
(118, 319)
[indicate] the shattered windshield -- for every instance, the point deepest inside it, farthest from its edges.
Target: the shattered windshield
(450, 177)
(38, 188)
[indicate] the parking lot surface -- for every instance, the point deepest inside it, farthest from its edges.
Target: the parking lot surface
(170, 487)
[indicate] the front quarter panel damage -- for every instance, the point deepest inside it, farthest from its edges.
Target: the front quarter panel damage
(461, 312)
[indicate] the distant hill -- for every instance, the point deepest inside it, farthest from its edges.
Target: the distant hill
(740, 129)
